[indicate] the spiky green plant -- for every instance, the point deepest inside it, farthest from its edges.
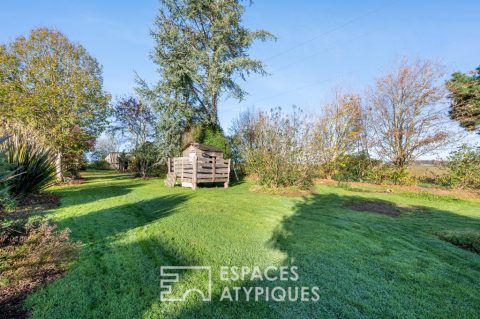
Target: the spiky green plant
(33, 165)
(5, 175)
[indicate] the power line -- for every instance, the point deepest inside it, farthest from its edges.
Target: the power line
(295, 89)
(302, 60)
(298, 61)
(310, 56)
(341, 26)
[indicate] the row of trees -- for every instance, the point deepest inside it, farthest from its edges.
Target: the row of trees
(51, 91)
(202, 51)
(400, 118)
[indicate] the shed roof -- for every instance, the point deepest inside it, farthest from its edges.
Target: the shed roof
(204, 147)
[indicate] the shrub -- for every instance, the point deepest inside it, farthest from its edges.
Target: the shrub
(100, 165)
(32, 251)
(214, 136)
(463, 168)
(353, 167)
(390, 174)
(123, 159)
(467, 239)
(338, 130)
(274, 147)
(33, 165)
(145, 160)
(73, 163)
(208, 134)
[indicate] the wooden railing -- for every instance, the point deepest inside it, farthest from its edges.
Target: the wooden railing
(192, 170)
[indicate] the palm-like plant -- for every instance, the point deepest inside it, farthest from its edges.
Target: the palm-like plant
(5, 175)
(33, 165)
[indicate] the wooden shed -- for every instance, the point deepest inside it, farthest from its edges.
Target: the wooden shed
(202, 150)
(200, 163)
(118, 160)
(113, 159)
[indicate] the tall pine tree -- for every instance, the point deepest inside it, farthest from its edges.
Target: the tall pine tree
(202, 51)
(465, 94)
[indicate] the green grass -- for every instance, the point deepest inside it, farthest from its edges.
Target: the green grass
(468, 239)
(365, 264)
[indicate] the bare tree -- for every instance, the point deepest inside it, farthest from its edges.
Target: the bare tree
(406, 118)
(338, 129)
(275, 147)
(134, 120)
(106, 144)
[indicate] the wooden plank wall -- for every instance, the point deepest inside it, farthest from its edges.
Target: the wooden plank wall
(212, 170)
(193, 170)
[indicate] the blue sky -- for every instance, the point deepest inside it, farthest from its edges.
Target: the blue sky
(321, 44)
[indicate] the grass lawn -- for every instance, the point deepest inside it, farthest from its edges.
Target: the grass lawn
(365, 264)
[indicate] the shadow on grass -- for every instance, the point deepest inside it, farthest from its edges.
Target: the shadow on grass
(98, 225)
(82, 194)
(236, 183)
(114, 177)
(367, 264)
(114, 276)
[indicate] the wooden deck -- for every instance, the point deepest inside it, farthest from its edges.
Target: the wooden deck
(191, 171)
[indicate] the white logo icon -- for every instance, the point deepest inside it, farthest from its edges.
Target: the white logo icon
(171, 274)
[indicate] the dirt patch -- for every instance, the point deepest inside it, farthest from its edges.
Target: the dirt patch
(45, 200)
(32, 252)
(379, 207)
(12, 297)
(73, 181)
(30, 257)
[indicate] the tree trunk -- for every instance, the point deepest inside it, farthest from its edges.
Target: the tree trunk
(58, 167)
(214, 115)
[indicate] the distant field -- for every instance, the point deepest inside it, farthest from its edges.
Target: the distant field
(426, 170)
